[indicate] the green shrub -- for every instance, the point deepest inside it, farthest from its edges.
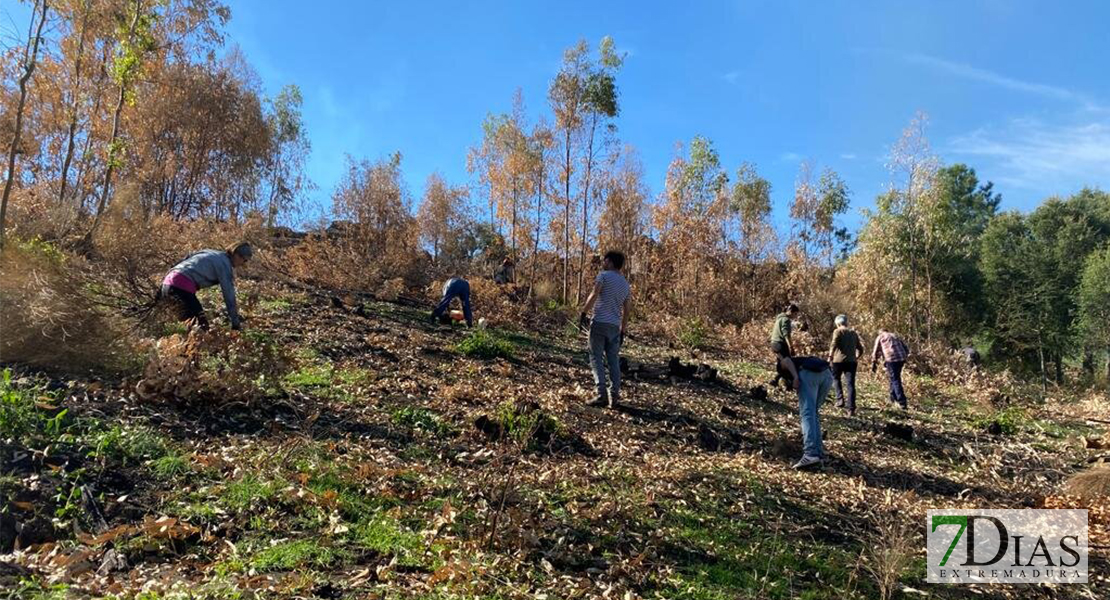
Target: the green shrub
(21, 418)
(693, 333)
(419, 418)
(484, 344)
(526, 423)
(170, 466)
(1010, 419)
(136, 445)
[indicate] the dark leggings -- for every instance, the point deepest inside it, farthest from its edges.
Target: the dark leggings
(844, 374)
(186, 304)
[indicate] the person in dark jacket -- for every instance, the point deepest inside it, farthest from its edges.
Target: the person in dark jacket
(781, 332)
(811, 378)
(844, 354)
(456, 287)
(506, 273)
(200, 270)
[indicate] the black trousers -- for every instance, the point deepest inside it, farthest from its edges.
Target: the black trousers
(186, 304)
(844, 374)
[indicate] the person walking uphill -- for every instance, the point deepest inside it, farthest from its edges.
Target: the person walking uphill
(780, 338)
(844, 354)
(811, 378)
(456, 287)
(200, 270)
(894, 352)
(610, 301)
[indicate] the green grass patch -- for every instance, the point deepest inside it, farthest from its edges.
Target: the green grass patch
(34, 588)
(275, 305)
(1011, 419)
(326, 380)
(485, 344)
(746, 369)
(300, 554)
(170, 466)
(310, 376)
(130, 445)
(417, 418)
(247, 492)
(197, 510)
(354, 504)
(387, 535)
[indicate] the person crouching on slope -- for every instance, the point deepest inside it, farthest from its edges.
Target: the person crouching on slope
(200, 270)
(811, 378)
(611, 301)
(456, 287)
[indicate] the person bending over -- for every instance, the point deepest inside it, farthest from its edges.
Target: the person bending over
(810, 377)
(200, 270)
(456, 287)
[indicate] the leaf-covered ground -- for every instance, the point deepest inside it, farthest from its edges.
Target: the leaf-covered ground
(397, 459)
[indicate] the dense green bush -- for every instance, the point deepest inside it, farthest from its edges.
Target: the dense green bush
(482, 343)
(693, 333)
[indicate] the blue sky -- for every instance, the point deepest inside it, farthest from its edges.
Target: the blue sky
(1018, 90)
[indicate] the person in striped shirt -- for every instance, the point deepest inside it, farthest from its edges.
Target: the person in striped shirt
(893, 351)
(610, 300)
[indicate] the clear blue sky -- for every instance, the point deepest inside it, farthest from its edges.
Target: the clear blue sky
(1018, 90)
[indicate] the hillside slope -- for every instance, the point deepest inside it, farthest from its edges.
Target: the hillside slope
(387, 457)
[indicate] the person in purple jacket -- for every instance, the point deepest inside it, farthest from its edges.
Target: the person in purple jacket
(893, 352)
(200, 270)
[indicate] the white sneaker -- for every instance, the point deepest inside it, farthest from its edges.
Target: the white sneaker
(807, 461)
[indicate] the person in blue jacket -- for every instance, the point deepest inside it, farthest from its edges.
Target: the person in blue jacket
(456, 287)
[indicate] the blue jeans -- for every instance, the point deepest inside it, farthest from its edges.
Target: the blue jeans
(458, 288)
(812, 390)
(605, 347)
(894, 373)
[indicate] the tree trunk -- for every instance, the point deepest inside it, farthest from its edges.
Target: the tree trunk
(112, 150)
(586, 207)
(1059, 361)
(29, 56)
(272, 209)
(1044, 374)
(74, 105)
(512, 233)
(1107, 368)
(539, 228)
(79, 179)
(566, 223)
